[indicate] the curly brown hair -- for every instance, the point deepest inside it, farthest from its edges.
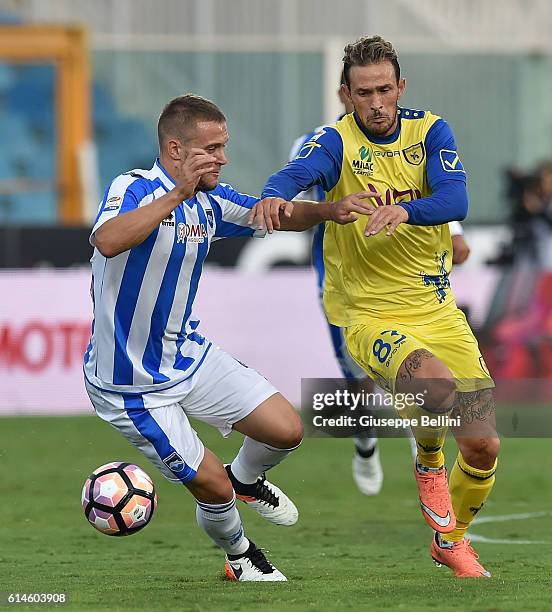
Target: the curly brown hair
(369, 50)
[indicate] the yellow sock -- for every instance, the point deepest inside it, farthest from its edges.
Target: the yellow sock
(430, 450)
(429, 440)
(469, 488)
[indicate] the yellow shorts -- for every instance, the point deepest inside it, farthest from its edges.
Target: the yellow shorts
(380, 347)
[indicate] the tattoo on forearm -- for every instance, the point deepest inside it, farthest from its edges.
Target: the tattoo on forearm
(412, 363)
(476, 405)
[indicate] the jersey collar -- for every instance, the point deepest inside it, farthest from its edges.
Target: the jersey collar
(163, 175)
(385, 140)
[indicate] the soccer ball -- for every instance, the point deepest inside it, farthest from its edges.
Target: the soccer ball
(118, 499)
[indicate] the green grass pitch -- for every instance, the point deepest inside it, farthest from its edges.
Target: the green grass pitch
(348, 552)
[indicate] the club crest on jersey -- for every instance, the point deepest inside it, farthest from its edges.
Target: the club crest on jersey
(174, 462)
(415, 154)
(186, 232)
(210, 218)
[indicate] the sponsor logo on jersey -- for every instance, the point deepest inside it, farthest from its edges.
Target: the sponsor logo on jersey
(450, 161)
(186, 232)
(168, 221)
(364, 164)
(394, 196)
(174, 462)
(114, 203)
(414, 154)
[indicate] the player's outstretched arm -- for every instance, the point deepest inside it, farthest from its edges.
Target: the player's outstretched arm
(299, 215)
(129, 229)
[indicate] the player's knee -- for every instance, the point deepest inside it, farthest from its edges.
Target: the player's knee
(217, 489)
(291, 435)
(480, 453)
(211, 483)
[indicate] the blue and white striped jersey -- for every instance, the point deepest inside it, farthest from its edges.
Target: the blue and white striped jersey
(145, 336)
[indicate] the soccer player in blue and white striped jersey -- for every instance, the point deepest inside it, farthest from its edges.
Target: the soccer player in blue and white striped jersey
(148, 368)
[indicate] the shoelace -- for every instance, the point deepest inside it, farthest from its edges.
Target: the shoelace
(264, 494)
(259, 561)
(465, 545)
(430, 477)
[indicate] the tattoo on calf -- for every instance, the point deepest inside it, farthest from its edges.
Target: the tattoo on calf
(476, 405)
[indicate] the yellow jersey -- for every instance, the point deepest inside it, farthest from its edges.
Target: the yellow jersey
(404, 276)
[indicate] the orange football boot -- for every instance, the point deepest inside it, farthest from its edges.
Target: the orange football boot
(435, 499)
(461, 558)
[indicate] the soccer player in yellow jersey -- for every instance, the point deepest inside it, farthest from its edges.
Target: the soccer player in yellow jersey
(387, 278)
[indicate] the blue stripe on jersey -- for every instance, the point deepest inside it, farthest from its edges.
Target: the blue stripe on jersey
(227, 229)
(150, 429)
(89, 347)
(180, 362)
(154, 390)
(151, 359)
(126, 304)
(102, 206)
(231, 230)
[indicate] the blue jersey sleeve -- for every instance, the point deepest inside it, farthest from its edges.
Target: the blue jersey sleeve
(231, 210)
(443, 162)
(317, 163)
(446, 177)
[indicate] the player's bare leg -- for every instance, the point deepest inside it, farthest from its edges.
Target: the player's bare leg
(471, 480)
(421, 372)
(218, 516)
(272, 430)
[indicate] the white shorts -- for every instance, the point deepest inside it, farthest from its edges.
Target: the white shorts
(221, 392)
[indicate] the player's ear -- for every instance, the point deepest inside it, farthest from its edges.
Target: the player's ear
(345, 93)
(401, 85)
(174, 149)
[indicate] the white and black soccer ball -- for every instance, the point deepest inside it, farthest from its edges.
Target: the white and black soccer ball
(119, 498)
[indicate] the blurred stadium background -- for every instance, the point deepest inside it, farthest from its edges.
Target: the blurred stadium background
(82, 84)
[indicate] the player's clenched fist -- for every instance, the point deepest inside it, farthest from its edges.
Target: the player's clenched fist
(347, 210)
(385, 216)
(266, 213)
(197, 163)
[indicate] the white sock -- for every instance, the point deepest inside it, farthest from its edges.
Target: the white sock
(254, 458)
(365, 444)
(222, 523)
(412, 441)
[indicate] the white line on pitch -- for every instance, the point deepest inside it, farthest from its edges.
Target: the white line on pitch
(502, 518)
(479, 538)
(510, 517)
